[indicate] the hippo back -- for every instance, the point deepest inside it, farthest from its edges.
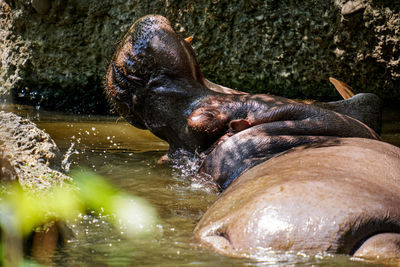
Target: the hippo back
(327, 197)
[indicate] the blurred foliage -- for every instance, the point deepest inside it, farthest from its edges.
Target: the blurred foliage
(23, 212)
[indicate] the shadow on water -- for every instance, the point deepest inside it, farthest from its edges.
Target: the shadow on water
(127, 157)
(391, 126)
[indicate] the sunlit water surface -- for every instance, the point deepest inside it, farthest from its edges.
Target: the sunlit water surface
(127, 157)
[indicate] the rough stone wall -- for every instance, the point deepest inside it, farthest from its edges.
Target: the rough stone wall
(54, 52)
(291, 47)
(27, 154)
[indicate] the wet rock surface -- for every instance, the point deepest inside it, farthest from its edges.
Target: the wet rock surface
(28, 154)
(54, 53)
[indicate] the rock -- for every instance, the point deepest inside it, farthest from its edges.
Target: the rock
(58, 60)
(7, 172)
(28, 154)
(352, 7)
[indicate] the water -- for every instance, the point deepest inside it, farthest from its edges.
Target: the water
(127, 157)
(391, 126)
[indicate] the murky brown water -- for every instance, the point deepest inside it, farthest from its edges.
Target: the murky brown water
(127, 157)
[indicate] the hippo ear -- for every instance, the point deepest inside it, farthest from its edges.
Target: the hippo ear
(189, 39)
(239, 125)
(344, 89)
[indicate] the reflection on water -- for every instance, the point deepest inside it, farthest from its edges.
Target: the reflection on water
(127, 157)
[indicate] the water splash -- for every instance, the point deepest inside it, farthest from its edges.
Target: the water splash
(186, 166)
(65, 163)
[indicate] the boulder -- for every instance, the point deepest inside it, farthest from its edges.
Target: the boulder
(28, 154)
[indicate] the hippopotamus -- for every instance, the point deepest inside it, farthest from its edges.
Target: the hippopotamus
(334, 196)
(294, 176)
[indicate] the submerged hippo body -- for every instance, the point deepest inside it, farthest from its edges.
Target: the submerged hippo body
(331, 196)
(154, 81)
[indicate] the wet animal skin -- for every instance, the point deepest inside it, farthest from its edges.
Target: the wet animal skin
(298, 177)
(336, 196)
(155, 83)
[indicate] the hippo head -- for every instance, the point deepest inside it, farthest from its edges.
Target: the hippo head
(154, 79)
(155, 83)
